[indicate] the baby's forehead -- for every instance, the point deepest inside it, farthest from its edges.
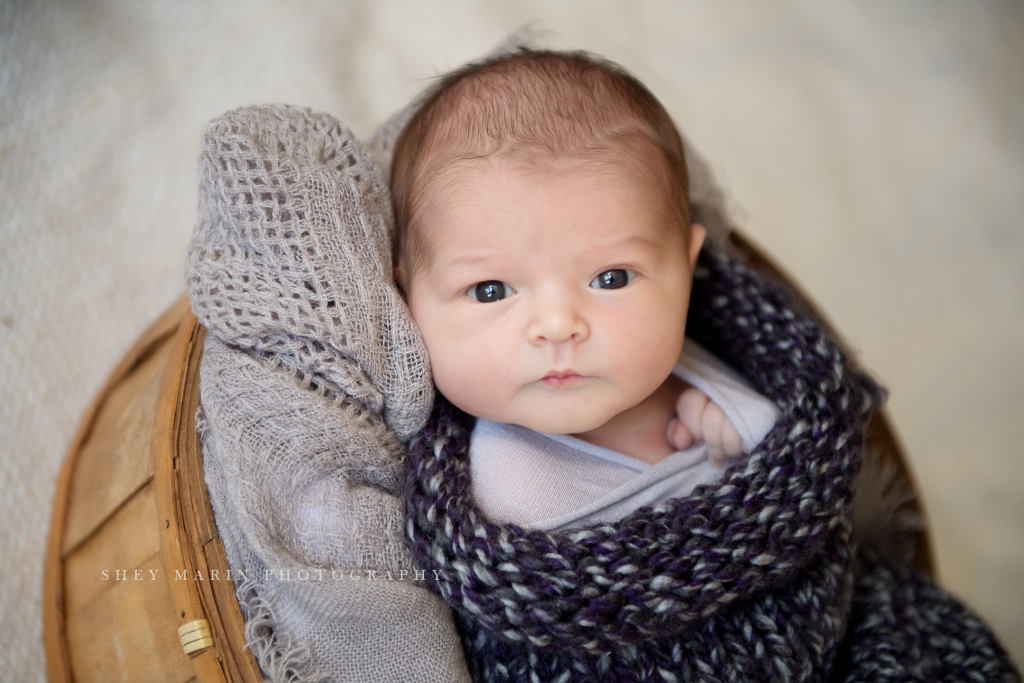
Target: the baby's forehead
(633, 163)
(538, 182)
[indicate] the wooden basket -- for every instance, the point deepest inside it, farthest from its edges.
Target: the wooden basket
(136, 585)
(134, 564)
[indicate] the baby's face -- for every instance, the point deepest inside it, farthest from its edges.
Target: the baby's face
(553, 297)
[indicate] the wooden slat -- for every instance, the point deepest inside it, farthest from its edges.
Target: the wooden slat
(116, 460)
(196, 518)
(185, 598)
(189, 452)
(128, 634)
(203, 546)
(54, 635)
(231, 625)
(124, 543)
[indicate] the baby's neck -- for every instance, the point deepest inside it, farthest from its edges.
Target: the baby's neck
(642, 431)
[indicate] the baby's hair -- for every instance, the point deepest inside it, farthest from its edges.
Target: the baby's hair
(528, 101)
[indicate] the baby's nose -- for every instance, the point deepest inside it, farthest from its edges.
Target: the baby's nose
(557, 320)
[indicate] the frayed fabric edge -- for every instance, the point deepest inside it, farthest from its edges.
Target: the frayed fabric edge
(281, 659)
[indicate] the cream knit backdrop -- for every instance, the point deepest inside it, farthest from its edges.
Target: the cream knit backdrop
(876, 148)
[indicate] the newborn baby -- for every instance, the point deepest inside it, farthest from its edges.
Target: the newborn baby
(544, 244)
(545, 247)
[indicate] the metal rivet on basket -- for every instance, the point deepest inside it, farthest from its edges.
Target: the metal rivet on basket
(195, 635)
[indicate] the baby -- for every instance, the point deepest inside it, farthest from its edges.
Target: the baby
(544, 244)
(545, 247)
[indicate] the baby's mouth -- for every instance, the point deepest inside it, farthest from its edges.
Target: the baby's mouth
(562, 378)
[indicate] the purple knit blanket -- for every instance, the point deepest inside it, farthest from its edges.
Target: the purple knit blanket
(754, 578)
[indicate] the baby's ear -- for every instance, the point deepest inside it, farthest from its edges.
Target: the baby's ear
(698, 233)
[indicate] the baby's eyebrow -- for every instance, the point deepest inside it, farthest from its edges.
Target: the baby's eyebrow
(469, 259)
(643, 242)
(465, 260)
(440, 269)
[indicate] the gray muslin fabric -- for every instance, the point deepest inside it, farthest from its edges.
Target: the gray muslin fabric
(313, 378)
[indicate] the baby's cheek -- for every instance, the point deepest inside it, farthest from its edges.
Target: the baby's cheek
(446, 375)
(646, 358)
(464, 376)
(473, 361)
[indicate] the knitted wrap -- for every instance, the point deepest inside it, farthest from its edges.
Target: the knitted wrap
(748, 579)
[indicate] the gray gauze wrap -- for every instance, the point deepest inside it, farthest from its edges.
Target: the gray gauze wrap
(313, 378)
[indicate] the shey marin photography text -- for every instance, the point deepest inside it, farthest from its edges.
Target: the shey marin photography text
(279, 574)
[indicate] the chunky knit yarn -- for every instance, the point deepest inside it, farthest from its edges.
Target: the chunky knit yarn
(751, 579)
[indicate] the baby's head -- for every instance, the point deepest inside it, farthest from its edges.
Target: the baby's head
(543, 239)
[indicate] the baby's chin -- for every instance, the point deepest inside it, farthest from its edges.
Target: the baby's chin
(568, 413)
(556, 424)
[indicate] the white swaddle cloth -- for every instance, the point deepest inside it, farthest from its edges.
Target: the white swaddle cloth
(555, 482)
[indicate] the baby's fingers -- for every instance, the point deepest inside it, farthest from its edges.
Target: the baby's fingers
(690, 410)
(712, 423)
(722, 439)
(679, 435)
(732, 442)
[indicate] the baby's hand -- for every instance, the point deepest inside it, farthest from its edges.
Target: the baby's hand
(698, 419)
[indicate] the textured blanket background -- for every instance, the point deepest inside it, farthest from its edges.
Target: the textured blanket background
(875, 148)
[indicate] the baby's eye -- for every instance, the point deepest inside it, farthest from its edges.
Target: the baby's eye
(491, 290)
(613, 279)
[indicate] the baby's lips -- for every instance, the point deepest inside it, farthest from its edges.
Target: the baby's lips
(560, 378)
(561, 374)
